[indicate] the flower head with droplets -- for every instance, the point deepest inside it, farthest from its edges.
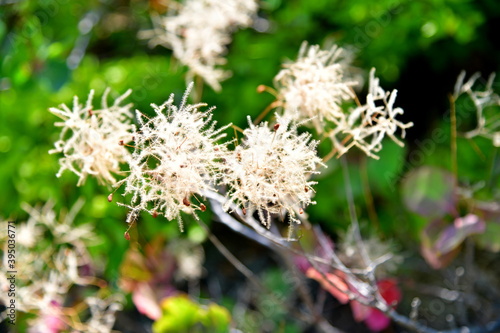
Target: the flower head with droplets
(270, 170)
(176, 157)
(315, 86)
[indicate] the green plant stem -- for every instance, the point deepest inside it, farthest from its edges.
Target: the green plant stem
(453, 143)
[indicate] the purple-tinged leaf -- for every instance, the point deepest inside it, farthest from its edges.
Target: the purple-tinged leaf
(440, 242)
(488, 210)
(455, 234)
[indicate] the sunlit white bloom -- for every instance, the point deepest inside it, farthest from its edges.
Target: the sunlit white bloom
(176, 158)
(90, 139)
(270, 170)
(315, 86)
(198, 31)
(366, 125)
(486, 103)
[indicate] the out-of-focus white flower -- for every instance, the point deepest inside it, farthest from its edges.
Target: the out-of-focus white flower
(380, 254)
(63, 228)
(366, 125)
(176, 157)
(198, 31)
(485, 101)
(47, 270)
(28, 233)
(270, 170)
(92, 140)
(103, 313)
(314, 87)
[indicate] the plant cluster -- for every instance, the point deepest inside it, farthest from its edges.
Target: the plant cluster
(178, 163)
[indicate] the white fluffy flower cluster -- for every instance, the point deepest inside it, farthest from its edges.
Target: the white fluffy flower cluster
(198, 31)
(366, 125)
(319, 82)
(176, 157)
(270, 170)
(486, 103)
(92, 140)
(315, 86)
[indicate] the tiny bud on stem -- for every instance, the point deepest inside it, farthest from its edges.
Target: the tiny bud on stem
(110, 197)
(186, 202)
(126, 235)
(203, 207)
(276, 126)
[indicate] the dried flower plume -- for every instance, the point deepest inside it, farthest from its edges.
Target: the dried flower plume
(366, 125)
(488, 118)
(315, 86)
(90, 139)
(176, 158)
(270, 170)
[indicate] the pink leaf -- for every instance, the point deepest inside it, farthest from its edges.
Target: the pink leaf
(145, 300)
(374, 319)
(377, 321)
(334, 284)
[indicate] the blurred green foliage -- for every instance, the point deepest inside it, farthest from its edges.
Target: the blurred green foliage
(180, 314)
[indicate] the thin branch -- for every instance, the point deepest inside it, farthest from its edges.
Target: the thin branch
(354, 219)
(229, 256)
(372, 213)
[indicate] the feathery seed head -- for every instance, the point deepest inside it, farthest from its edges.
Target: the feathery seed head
(270, 170)
(176, 157)
(366, 125)
(316, 85)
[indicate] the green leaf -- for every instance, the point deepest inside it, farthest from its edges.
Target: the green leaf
(384, 172)
(490, 238)
(180, 314)
(217, 318)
